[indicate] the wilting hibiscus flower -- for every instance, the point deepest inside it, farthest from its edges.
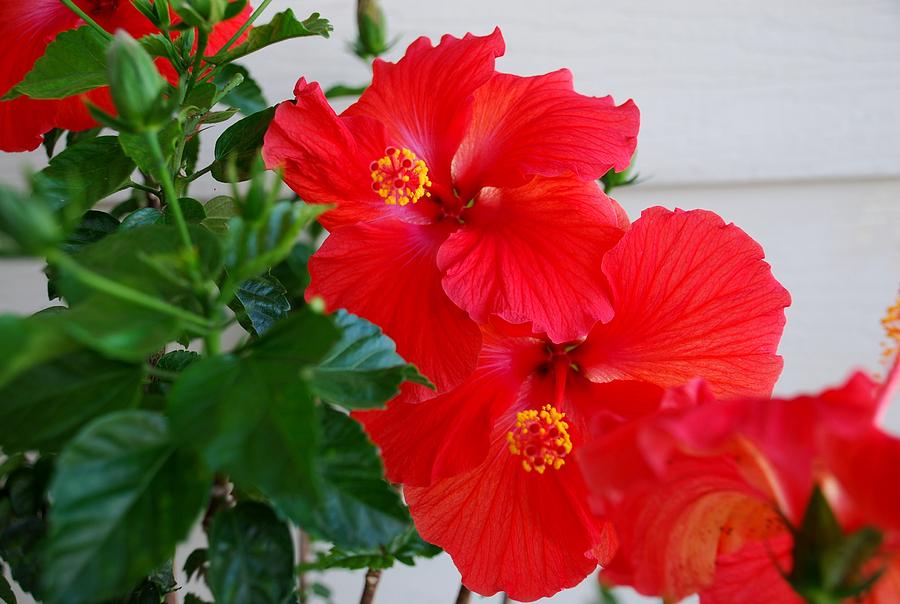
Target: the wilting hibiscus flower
(460, 193)
(706, 495)
(490, 468)
(27, 28)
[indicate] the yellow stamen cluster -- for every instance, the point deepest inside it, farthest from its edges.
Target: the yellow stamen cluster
(541, 437)
(891, 324)
(400, 177)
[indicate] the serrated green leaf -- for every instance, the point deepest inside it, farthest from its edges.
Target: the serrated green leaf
(358, 509)
(239, 145)
(121, 472)
(283, 26)
(363, 370)
(250, 556)
(74, 62)
(259, 303)
(247, 96)
(45, 405)
(6, 593)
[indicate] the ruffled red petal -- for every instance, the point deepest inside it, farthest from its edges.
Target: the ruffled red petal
(751, 575)
(386, 272)
(532, 254)
(522, 126)
(527, 534)
(425, 99)
(422, 443)
(692, 296)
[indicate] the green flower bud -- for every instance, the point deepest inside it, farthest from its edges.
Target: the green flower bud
(135, 84)
(372, 29)
(201, 13)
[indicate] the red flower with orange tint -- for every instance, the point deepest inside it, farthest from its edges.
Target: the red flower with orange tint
(701, 496)
(460, 193)
(27, 28)
(490, 469)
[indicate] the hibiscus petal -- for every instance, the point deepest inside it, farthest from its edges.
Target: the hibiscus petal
(527, 534)
(385, 271)
(425, 99)
(692, 297)
(452, 431)
(522, 126)
(751, 575)
(532, 254)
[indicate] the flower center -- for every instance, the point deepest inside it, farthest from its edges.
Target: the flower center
(541, 437)
(400, 177)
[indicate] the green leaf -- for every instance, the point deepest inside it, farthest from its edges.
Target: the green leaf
(26, 342)
(340, 90)
(259, 303)
(149, 259)
(85, 173)
(358, 509)
(120, 330)
(20, 544)
(74, 62)
(405, 548)
(47, 404)
(141, 218)
(94, 226)
(121, 473)
(283, 26)
(196, 563)
(191, 208)
(219, 212)
(27, 224)
(6, 593)
(363, 370)
(135, 147)
(246, 96)
(253, 415)
(177, 360)
(239, 145)
(251, 556)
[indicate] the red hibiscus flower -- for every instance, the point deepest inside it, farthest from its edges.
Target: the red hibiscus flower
(27, 28)
(489, 468)
(460, 193)
(701, 494)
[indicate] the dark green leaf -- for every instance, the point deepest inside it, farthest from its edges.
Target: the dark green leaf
(239, 145)
(85, 173)
(202, 96)
(74, 62)
(191, 209)
(246, 96)
(50, 139)
(363, 370)
(20, 543)
(194, 599)
(135, 147)
(120, 473)
(250, 556)
(301, 339)
(94, 226)
(143, 217)
(294, 274)
(259, 303)
(47, 404)
(177, 360)
(359, 509)
(26, 342)
(339, 90)
(282, 27)
(6, 593)
(404, 548)
(195, 564)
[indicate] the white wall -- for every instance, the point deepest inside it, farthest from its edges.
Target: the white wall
(781, 116)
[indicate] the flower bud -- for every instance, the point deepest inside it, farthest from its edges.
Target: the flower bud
(201, 13)
(135, 84)
(372, 29)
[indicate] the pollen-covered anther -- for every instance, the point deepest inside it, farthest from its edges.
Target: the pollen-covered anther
(400, 177)
(891, 324)
(541, 437)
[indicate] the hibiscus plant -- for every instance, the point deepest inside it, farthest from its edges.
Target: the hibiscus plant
(417, 325)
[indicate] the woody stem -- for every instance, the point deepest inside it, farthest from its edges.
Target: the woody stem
(373, 576)
(464, 595)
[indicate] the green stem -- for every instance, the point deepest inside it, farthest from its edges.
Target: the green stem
(115, 289)
(169, 376)
(137, 185)
(240, 32)
(200, 173)
(202, 40)
(87, 19)
(173, 202)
